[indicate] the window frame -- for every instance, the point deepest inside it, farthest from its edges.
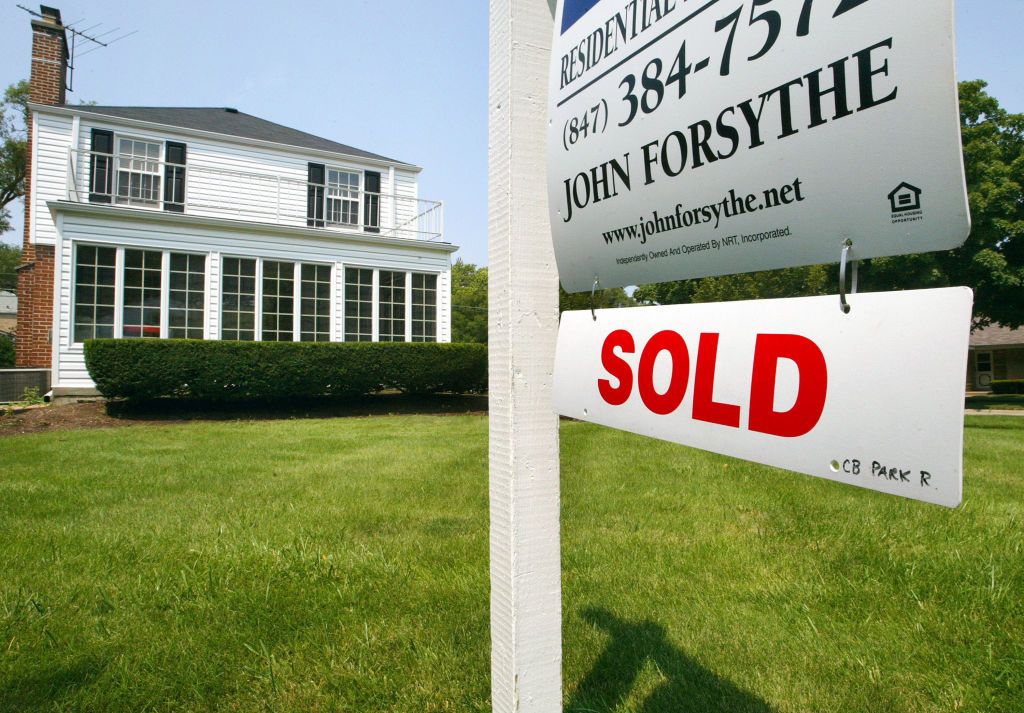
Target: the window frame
(358, 199)
(115, 198)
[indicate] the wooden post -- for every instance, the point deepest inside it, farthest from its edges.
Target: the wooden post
(526, 596)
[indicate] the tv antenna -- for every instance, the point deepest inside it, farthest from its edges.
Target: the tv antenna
(89, 36)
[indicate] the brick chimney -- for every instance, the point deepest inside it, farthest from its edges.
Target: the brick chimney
(35, 274)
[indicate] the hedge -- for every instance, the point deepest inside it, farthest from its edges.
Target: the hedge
(143, 369)
(1008, 386)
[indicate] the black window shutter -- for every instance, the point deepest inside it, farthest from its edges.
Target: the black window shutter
(371, 202)
(101, 173)
(174, 177)
(315, 195)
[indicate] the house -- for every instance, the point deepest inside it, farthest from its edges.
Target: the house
(210, 223)
(8, 311)
(995, 353)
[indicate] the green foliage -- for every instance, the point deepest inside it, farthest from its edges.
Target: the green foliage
(143, 369)
(14, 117)
(31, 396)
(10, 258)
(1008, 386)
(612, 297)
(469, 303)
(991, 262)
(6, 351)
(790, 282)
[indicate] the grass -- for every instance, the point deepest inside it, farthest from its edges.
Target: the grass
(983, 402)
(341, 565)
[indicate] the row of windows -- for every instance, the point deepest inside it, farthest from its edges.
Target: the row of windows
(168, 290)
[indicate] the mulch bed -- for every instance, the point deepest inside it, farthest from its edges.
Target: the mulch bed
(99, 414)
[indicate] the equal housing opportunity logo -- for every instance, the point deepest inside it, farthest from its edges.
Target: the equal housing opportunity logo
(905, 204)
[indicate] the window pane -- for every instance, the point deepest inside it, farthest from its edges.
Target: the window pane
(278, 305)
(187, 296)
(358, 304)
(424, 308)
(141, 314)
(238, 298)
(391, 313)
(315, 300)
(94, 292)
(138, 172)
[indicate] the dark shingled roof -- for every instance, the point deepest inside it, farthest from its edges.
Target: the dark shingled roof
(996, 335)
(230, 122)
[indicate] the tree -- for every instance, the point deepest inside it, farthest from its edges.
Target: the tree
(10, 258)
(13, 147)
(469, 303)
(612, 297)
(991, 262)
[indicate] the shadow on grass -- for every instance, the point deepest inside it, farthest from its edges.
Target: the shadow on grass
(41, 690)
(376, 405)
(687, 687)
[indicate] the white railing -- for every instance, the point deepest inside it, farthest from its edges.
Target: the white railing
(242, 195)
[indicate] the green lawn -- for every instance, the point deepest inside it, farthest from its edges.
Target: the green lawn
(341, 565)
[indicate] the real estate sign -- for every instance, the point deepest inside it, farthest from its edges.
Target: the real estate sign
(690, 138)
(873, 398)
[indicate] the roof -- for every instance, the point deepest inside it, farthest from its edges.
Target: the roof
(996, 335)
(230, 122)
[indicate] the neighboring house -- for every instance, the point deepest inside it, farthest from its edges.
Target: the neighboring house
(209, 223)
(8, 311)
(995, 353)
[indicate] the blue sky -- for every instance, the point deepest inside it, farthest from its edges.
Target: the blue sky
(404, 79)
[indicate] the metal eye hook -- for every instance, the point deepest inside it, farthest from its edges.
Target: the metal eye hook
(844, 306)
(593, 293)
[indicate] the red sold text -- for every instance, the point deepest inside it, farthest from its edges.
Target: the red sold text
(762, 417)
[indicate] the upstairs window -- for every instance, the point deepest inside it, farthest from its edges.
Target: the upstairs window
(138, 172)
(342, 197)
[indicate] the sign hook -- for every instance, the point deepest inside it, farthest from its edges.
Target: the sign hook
(844, 306)
(593, 293)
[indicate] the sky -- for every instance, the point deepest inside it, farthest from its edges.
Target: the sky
(406, 79)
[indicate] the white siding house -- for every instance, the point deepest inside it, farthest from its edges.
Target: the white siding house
(214, 224)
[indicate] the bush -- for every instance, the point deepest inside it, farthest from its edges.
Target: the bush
(142, 369)
(1008, 386)
(6, 351)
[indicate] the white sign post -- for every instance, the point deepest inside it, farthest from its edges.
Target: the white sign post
(873, 398)
(526, 595)
(708, 137)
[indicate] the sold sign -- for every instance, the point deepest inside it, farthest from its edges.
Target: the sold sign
(873, 398)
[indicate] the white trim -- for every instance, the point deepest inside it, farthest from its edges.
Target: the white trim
(30, 203)
(56, 345)
(131, 215)
(297, 302)
(119, 292)
(375, 306)
(408, 306)
(165, 294)
(227, 138)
